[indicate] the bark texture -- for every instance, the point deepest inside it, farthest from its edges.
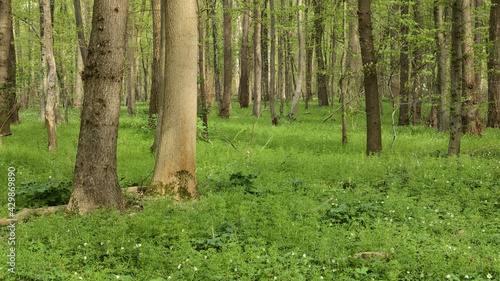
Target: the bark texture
(175, 168)
(244, 88)
(272, 80)
(228, 66)
(373, 127)
(494, 67)
(442, 78)
(5, 40)
(257, 96)
(321, 77)
(404, 74)
(95, 182)
(301, 61)
(155, 83)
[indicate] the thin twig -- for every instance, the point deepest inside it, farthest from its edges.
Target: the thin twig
(483, 148)
(330, 116)
(418, 163)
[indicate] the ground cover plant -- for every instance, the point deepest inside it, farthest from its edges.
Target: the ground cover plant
(286, 202)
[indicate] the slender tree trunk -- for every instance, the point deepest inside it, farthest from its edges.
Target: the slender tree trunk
(257, 60)
(494, 67)
(202, 100)
(471, 123)
(264, 43)
(394, 76)
(42, 94)
(309, 58)
(281, 62)
(51, 104)
(155, 83)
(272, 81)
(132, 78)
(442, 79)
(243, 93)
(344, 80)
(298, 89)
(353, 57)
(404, 75)
(80, 30)
(416, 68)
(456, 80)
(321, 76)
(228, 65)
(373, 127)
(77, 100)
(95, 182)
(478, 40)
(218, 98)
(174, 172)
(5, 49)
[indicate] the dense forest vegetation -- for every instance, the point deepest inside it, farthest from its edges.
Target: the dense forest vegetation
(250, 139)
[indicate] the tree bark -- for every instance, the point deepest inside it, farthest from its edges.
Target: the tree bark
(298, 88)
(494, 67)
(321, 77)
(77, 100)
(417, 65)
(441, 60)
(244, 88)
(202, 99)
(51, 104)
(228, 66)
(132, 78)
(456, 80)
(373, 126)
(80, 31)
(5, 84)
(174, 172)
(257, 96)
(471, 123)
(344, 79)
(272, 80)
(155, 83)
(353, 57)
(95, 182)
(218, 98)
(404, 74)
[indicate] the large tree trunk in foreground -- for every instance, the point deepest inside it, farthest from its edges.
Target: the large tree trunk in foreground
(175, 168)
(257, 61)
(5, 40)
(51, 104)
(228, 66)
(494, 67)
(373, 127)
(95, 182)
(244, 88)
(456, 81)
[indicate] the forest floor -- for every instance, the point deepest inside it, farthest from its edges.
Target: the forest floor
(289, 202)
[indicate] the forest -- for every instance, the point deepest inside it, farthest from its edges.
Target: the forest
(249, 140)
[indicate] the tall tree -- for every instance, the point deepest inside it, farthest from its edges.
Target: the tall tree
(95, 181)
(244, 87)
(345, 76)
(155, 83)
(494, 67)
(202, 99)
(441, 61)
(174, 172)
(373, 126)
(216, 55)
(404, 65)
(321, 77)
(5, 42)
(51, 104)
(80, 30)
(471, 122)
(257, 60)
(272, 80)
(228, 65)
(298, 88)
(456, 80)
(132, 78)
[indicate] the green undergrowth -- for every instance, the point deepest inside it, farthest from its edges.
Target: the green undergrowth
(289, 202)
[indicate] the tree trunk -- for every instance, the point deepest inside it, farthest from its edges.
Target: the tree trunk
(174, 172)
(264, 42)
(441, 60)
(155, 83)
(321, 77)
(281, 62)
(132, 78)
(471, 123)
(228, 66)
(373, 127)
(494, 67)
(5, 49)
(456, 81)
(298, 89)
(216, 56)
(80, 31)
(51, 104)
(404, 119)
(95, 182)
(309, 59)
(353, 57)
(344, 79)
(77, 100)
(272, 80)
(243, 92)
(416, 68)
(478, 40)
(257, 60)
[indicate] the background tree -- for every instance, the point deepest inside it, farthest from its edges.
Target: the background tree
(228, 65)
(244, 87)
(175, 167)
(321, 76)
(155, 83)
(257, 88)
(373, 126)
(404, 65)
(494, 67)
(272, 80)
(441, 61)
(301, 61)
(95, 181)
(51, 104)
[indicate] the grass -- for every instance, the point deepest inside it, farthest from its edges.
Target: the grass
(264, 216)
